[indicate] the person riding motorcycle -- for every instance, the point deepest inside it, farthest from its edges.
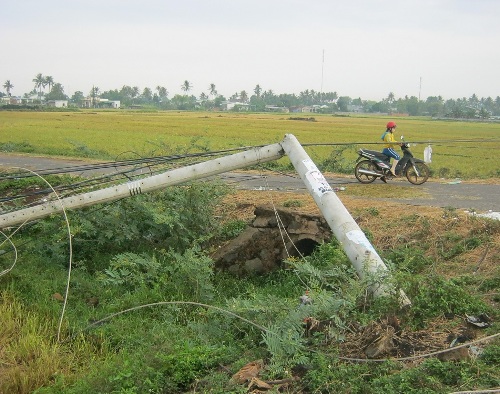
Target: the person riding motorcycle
(388, 138)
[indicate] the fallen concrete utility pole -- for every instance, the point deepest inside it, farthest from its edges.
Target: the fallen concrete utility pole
(354, 242)
(156, 182)
(359, 250)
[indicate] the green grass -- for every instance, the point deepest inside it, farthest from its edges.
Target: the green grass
(109, 134)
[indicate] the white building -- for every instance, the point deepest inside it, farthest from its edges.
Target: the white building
(57, 103)
(234, 105)
(98, 102)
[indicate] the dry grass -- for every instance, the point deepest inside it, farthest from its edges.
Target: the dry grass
(393, 224)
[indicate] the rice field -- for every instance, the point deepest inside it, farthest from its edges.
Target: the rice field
(460, 149)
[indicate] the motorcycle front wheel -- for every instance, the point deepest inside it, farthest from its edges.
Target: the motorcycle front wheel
(368, 166)
(417, 173)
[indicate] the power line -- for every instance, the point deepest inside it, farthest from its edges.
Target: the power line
(156, 164)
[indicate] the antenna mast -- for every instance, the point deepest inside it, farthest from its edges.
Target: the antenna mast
(322, 68)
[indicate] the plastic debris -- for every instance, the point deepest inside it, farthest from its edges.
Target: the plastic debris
(305, 299)
(428, 154)
(490, 214)
(475, 351)
(481, 321)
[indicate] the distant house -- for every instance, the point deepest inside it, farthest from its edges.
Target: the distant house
(89, 102)
(354, 108)
(34, 98)
(315, 108)
(275, 108)
(234, 105)
(6, 100)
(105, 103)
(57, 103)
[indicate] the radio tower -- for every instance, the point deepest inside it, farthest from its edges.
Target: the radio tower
(420, 89)
(322, 68)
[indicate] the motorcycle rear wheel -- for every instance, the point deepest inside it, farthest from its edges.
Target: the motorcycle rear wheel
(368, 166)
(417, 173)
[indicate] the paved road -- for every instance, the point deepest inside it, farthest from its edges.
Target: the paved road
(479, 197)
(463, 195)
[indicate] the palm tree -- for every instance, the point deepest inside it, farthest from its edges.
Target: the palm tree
(243, 96)
(49, 81)
(257, 90)
(313, 95)
(186, 86)
(162, 92)
(473, 100)
(7, 85)
(94, 93)
(147, 94)
(390, 97)
(212, 90)
(39, 83)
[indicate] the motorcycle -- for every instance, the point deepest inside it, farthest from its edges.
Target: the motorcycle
(374, 164)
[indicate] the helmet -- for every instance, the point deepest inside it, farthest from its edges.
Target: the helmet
(391, 125)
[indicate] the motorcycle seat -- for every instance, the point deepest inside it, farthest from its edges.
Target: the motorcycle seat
(375, 154)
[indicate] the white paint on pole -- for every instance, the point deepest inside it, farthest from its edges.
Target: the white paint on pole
(357, 247)
(169, 178)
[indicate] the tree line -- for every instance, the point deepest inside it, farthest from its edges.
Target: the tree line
(45, 88)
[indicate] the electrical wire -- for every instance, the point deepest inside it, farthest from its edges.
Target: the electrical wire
(114, 164)
(161, 303)
(129, 174)
(155, 160)
(418, 356)
(66, 293)
(8, 238)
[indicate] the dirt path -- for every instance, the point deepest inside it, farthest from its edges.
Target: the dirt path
(480, 197)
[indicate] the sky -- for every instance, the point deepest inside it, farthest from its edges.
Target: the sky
(357, 48)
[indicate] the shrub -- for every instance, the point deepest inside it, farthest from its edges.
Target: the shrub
(178, 276)
(434, 296)
(175, 218)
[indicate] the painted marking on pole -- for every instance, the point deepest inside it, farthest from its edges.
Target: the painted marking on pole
(134, 188)
(316, 179)
(359, 238)
(318, 183)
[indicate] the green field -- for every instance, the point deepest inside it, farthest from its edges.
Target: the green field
(107, 135)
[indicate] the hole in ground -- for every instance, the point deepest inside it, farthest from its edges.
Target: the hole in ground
(305, 246)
